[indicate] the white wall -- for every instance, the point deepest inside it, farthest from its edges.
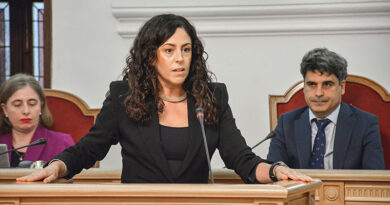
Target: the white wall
(254, 46)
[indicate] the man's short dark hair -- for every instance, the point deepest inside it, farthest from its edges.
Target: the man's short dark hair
(324, 61)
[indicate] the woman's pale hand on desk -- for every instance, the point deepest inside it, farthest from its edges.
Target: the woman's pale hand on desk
(285, 173)
(280, 172)
(48, 174)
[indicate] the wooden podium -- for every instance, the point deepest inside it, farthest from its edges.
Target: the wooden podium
(352, 187)
(279, 193)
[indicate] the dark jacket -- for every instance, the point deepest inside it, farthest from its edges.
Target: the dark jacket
(357, 143)
(143, 157)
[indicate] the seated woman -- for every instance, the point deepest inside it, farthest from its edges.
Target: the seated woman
(25, 118)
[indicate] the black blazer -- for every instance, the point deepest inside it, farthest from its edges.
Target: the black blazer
(143, 158)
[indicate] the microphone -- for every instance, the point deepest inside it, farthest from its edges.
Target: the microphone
(200, 116)
(35, 143)
(269, 136)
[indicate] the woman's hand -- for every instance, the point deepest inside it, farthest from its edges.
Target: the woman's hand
(284, 173)
(280, 172)
(48, 174)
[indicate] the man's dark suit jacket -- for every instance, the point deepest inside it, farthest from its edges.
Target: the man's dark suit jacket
(143, 158)
(357, 143)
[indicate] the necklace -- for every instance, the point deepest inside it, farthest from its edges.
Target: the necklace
(20, 155)
(175, 99)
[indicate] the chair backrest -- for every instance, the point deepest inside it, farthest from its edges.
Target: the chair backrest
(71, 115)
(361, 92)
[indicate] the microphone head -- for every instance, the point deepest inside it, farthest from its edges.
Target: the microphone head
(199, 110)
(40, 141)
(272, 134)
(199, 113)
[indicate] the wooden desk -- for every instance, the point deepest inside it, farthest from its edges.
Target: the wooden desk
(280, 193)
(352, 187)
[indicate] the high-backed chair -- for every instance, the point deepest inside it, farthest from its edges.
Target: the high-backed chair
(71, 114)
(361, 92)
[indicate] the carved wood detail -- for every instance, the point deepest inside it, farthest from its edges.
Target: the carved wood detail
(331, 193)
(364, 192)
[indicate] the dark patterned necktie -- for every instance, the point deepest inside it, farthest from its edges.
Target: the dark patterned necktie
(317, 157)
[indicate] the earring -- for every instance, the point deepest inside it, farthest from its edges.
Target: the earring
(6, 116)
(40, 113)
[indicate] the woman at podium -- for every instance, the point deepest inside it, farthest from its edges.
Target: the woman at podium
(151, 113)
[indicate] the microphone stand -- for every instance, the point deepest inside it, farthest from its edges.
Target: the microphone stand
(200, 116)
(40, 141)
(269, 136)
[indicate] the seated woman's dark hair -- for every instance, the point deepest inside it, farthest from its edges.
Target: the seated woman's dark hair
(141, 74)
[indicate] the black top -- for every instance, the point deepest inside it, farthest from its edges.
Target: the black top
(175, 142)
(16, 158)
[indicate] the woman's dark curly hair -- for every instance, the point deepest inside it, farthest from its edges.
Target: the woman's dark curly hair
(141, 73)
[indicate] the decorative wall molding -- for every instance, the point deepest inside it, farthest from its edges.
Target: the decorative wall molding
(266, 18)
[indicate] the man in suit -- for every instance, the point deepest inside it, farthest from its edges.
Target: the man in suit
(327, 133)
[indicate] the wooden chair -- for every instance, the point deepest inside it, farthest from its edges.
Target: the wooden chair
(71, 114)
(361, 92)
